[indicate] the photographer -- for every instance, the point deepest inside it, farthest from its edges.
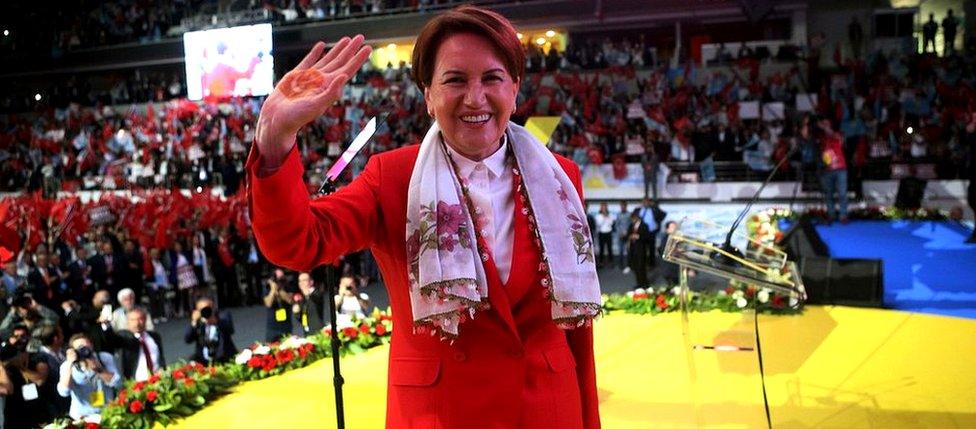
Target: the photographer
(212, 331)
(27, 312)
(350, 302)
(276, 301)
(90, 378)
(310, 305)
(26, 404)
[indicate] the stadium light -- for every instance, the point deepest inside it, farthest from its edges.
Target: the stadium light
(37, 97)
(910, 130)
(550, 33)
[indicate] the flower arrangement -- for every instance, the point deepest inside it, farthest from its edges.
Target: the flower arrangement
(175, 392)
(184, 389)
(734, 298)
(264, 360)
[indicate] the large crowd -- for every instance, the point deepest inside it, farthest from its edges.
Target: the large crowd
(615, 106)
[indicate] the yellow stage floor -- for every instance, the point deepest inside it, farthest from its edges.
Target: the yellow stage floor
(832, 367)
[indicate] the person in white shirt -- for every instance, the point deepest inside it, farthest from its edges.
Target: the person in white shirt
(604, 228)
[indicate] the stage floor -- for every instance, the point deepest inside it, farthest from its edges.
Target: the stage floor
(831, 367)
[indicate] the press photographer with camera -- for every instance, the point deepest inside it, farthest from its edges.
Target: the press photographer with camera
(26, 405)
(90, 378)
(277, 300)
(27, 312)
(212, 331)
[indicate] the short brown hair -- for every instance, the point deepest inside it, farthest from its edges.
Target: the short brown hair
(472, 20)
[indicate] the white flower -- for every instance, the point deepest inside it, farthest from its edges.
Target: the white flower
(739, 294)
(740, 302)
(294, 342)
(640, 290)
(763, 296)
(722, 292)
(793, 301)
(630, 294)
(262, 350)
(243, 357)
(676, 290)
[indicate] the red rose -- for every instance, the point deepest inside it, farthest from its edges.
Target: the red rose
(136, 407)
(213, 370)
(188, 382)
(255, 362)
(380, 329)
(91, 425)
(778, 301)
(153, 379)
(350, 333)
(284, 356)
(151, 396)
(138, 386)
(661, 302)
(729, 290)
(179, 374)
(364, 328)
(122, 396)
(750, 291)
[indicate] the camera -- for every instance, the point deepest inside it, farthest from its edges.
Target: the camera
(9, 351)
(206, 312)
(84, 353)
(21, 301)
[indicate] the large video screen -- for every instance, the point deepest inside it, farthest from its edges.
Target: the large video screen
(229, 61)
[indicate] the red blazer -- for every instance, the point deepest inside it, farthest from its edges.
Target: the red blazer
(511, 367)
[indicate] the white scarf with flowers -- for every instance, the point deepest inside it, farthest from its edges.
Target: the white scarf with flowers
(446, 268)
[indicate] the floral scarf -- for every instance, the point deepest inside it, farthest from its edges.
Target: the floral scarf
(446, 256)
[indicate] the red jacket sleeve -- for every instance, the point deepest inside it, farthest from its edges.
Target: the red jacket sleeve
(300, 233)
(581, 339)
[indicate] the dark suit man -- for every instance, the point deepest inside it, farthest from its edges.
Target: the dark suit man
(212, 333)
(638, 236)
(651, 216)
(312, 308)
(140, 352)
(80, 285)
(108, 269)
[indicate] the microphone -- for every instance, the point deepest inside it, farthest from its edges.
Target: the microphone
(727, 245)
(358, 143)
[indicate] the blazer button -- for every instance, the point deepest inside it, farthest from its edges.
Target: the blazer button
(460, 357)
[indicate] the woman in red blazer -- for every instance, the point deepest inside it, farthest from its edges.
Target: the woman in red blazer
(487, 264)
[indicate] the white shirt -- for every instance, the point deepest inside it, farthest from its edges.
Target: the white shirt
(142, 368)
(490, 187)
(604, 222)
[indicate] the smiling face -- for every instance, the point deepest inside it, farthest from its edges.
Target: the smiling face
(471, 95)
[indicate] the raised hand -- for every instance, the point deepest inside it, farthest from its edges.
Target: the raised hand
(305, 93)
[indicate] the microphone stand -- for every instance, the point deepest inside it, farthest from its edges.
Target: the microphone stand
(328, 187)
(727, 245)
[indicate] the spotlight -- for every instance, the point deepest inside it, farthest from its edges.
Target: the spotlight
(550, 33)
(910, 130)
(199, 189)
(540, 41)
(391, 46)
(37, 97)
(520, 36)
(6, 32)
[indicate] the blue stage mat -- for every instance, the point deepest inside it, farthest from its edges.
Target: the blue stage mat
(928, 267)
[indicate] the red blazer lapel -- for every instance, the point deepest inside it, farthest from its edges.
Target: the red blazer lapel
(498, 298)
